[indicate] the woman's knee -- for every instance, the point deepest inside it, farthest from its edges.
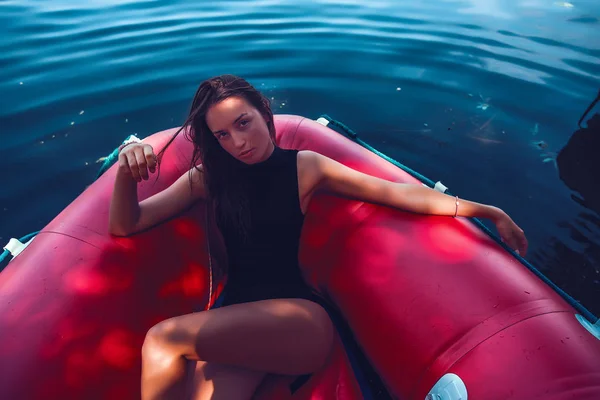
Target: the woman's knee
(152, 345)
(160, 339)
(321, 339)
(323, 324)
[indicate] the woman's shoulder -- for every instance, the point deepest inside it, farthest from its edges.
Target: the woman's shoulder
(309, 157)
(309, 165)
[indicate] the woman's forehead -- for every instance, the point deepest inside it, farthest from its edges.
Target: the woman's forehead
(226, 112)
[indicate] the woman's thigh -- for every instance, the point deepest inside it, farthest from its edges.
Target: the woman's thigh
(281, 336)
(211, 381)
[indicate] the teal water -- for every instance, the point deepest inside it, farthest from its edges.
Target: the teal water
(479, 94)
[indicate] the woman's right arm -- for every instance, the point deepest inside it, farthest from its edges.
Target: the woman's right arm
(127, 215)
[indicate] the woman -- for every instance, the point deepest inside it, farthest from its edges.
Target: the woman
(270, 322)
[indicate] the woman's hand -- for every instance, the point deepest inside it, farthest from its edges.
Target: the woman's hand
(136, 160)
(511, 234)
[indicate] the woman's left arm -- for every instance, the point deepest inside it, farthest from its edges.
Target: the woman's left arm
(331, 176)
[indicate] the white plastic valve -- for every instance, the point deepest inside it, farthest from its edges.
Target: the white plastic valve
(449, 387)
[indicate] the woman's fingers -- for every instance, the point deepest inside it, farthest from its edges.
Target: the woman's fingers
(511, 235)
(150, 158)
(137, 159)
(141, 162)
(523, 245)
(518, 243)
(133, 166)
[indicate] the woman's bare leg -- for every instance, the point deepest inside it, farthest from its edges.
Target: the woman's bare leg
(281, 336)
(223, 382)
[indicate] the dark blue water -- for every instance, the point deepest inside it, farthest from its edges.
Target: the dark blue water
(479, 94)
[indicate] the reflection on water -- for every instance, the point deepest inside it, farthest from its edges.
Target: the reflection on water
(579, 164)
(575, 262)
(579, 168)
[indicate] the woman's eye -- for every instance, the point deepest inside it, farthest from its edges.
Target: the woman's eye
(244, 122)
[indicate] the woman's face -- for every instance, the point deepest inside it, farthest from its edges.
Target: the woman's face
(240, 129)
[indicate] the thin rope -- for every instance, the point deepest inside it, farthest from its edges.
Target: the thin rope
(593, 103)
(210, 269)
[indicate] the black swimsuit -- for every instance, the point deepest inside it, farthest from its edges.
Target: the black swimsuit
(265, 266)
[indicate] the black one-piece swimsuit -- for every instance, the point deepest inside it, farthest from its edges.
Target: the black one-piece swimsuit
(265, 265)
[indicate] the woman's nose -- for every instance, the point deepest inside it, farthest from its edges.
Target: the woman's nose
(238, 140)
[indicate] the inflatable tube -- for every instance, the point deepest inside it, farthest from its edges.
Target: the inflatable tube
(427, 298)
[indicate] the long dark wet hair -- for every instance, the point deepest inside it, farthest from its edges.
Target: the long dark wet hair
(221, 170)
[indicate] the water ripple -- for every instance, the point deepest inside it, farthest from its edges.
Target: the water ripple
(109, 42)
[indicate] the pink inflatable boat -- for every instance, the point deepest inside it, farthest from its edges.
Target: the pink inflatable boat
(429, 307)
